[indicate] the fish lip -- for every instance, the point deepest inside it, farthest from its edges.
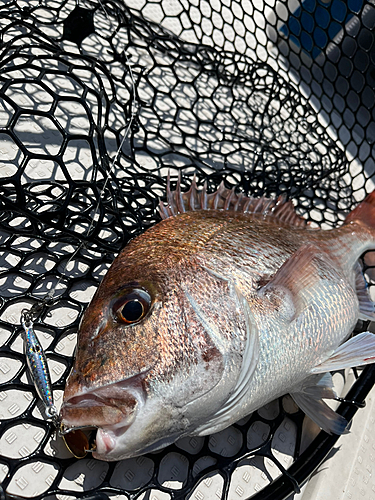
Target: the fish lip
(91, 400)
(112, 406)
(105, 441)
(78, 389)
(87, 400)
(89, 410)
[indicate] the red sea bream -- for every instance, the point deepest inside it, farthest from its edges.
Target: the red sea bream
(226, 304)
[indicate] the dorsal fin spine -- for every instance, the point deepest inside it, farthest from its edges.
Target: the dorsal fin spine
(170, 200)
(238, 202)
(163, 210)
(216, 197)
(258, 205)
(226, 199)
(267, 206)
(204, 197)
(247, 205)
(179, 200)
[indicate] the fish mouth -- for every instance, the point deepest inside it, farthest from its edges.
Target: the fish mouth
(109, 407)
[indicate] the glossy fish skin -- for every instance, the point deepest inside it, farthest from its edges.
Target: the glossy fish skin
(244, 307)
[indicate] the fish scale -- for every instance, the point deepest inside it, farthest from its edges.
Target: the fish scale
(238, 301)
(292, 351)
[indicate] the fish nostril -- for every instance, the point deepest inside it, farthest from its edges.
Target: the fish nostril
(101, 328)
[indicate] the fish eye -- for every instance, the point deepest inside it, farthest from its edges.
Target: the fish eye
(132, 307)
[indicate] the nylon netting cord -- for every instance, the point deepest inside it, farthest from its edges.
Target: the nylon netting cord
(223, 96)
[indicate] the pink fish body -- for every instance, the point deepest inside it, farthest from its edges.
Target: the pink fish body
(226, 304)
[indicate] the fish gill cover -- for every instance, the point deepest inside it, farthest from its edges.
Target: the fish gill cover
(211, 99)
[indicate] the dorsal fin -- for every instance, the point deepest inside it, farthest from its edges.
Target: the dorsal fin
(226, 199)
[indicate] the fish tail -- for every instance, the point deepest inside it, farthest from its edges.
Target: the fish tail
(364, 213)
(363, 217)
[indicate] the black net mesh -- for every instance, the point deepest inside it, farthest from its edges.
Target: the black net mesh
(269, 97)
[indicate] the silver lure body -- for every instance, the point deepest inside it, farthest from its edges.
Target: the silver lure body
(38, 367)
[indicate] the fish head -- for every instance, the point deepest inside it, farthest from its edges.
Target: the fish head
(159, 349)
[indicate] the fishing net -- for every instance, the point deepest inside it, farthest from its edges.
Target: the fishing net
(268, 96)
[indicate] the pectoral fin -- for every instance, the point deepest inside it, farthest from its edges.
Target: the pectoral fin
(300, 275)
(222, 418)
(359, 350)
(309, 397)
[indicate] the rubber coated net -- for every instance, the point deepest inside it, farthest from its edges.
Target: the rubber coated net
(268, 96)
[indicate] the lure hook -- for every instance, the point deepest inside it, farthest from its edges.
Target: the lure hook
(77, 442)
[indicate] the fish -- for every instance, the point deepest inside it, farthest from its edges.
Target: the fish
(227, 303)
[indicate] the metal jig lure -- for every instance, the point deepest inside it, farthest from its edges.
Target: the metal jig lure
(37, 364)
(77, 443)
